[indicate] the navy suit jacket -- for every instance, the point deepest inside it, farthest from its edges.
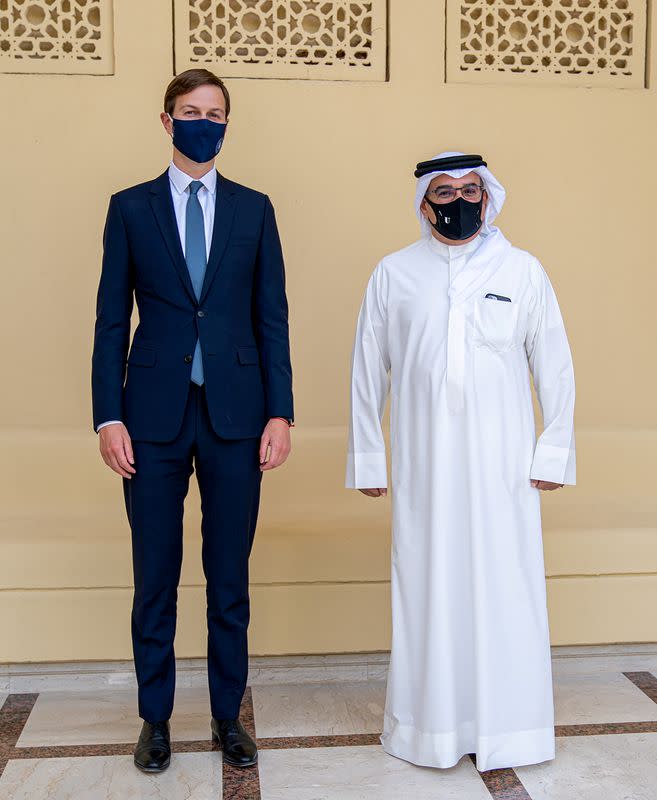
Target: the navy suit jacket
(240, 318)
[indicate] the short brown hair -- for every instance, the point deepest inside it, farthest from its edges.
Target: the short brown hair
(190, 80)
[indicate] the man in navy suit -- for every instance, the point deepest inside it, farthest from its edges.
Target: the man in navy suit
(205, 385)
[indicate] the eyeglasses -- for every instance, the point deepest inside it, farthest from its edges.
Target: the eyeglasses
(445, 194)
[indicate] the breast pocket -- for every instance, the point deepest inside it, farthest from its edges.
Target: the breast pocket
(495, 324)
(242, 245)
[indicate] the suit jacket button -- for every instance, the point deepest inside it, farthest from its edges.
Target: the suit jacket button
(189, 359)
(200, 313)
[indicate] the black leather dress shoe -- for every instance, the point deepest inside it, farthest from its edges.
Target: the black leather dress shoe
(153, 750)
(239, 748)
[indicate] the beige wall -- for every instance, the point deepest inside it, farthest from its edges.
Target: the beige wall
(337, 160)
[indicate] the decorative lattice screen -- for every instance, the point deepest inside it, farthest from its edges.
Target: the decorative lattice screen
(325, 39)
(579, 42)
(67, 36)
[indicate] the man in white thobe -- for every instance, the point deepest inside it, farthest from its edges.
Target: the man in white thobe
(451, 327)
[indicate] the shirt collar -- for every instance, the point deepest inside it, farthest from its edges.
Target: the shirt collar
(180, 180)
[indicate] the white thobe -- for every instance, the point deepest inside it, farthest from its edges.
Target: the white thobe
(470, 667)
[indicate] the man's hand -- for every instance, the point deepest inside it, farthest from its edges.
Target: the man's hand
(276, 440)
(116, 449)
(374, 492)
(546, 486)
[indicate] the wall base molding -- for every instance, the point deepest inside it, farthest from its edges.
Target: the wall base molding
(263, 670)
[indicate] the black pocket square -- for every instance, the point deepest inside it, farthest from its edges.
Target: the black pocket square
(491, 296)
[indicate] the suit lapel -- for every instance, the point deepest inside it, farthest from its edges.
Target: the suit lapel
(162, 205)
(224, 212)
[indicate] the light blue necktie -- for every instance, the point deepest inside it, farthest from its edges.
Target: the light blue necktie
(197, 262)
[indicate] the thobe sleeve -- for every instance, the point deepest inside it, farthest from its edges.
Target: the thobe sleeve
(370, 383)
(551, 365)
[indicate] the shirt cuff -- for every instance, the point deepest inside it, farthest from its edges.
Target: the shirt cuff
(109, 422)
(366, 471)
(554, 464)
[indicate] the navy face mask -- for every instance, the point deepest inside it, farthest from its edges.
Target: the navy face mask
(457, 220)
(199, 139)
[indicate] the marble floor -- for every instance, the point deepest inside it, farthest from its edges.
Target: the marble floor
(319, 741)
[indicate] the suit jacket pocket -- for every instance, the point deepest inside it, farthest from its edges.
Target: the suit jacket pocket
(248, 355)
(141, 357)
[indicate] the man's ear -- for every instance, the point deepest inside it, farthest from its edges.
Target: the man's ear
(428, 212)
(166, 122)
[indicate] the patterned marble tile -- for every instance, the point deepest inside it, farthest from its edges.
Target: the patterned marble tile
(361, 773)
(191, 776)
(240, 784)
(503, 784)
(318, 709)
(646, 682)
(605, 728)
(106, 717)
(600, 697)
(14, 714)
(306, 742)
(597, 768)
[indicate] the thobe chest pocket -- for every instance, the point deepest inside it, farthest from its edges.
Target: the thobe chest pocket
(495, 324)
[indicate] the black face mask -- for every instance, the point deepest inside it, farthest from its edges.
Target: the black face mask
(457, 220)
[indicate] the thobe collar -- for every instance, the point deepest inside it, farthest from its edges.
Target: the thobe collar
(451, 252)
(456, 256)
(180, 180)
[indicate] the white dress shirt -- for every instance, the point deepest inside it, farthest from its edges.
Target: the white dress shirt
(179, 182)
